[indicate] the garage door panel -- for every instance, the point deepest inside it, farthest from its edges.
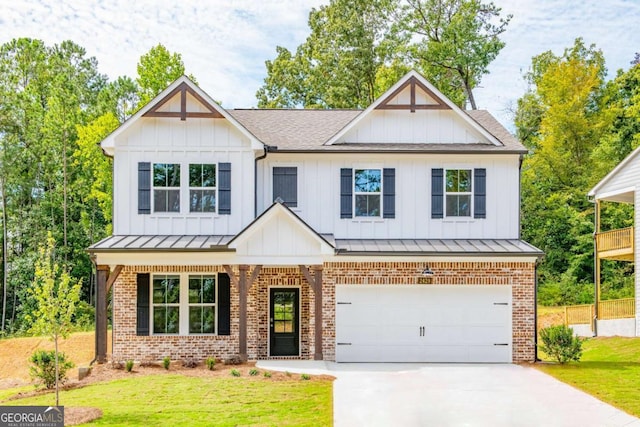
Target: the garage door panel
(423, 324)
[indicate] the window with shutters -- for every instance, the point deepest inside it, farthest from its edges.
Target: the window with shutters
(166, 187)
(458, 192)
(367, 191)
(166, 304)
(285, 185)
(202, 304)
(202, 188)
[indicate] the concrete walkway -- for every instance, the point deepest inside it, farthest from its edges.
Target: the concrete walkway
(393, 394)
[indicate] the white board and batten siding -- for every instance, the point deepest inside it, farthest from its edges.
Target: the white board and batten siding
(170, 140)
(413, 323)
(319, 195)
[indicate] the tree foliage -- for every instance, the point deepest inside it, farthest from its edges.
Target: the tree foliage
(578, 127)
(156, 70)
(56, 295)
(357, 49)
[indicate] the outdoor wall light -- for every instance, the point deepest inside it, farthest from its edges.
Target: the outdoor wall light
(427, 271)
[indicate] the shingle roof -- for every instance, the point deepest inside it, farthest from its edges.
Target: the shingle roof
(308, 130)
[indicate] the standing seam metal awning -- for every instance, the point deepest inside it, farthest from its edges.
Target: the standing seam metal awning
(162, 243)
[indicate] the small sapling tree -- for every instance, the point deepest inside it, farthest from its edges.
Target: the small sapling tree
(56, 297)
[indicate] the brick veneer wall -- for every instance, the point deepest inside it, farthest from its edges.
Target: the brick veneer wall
(127, 345)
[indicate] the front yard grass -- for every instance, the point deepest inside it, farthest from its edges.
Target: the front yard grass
(609, 370)
(169, 400)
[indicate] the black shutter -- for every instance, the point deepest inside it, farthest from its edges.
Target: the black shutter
(479, 193)
(437, 193)
(224, 304)
(144, 188)
(224, 188)
(142, 316)
(285, 185)
(389, 193)
(346, 191)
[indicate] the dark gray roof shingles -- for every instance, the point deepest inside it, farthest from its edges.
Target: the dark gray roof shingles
(309, 130)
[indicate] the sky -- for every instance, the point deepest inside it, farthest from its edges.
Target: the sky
(224, 44)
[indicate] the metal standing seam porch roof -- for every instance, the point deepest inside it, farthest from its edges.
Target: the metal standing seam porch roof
(203, 243)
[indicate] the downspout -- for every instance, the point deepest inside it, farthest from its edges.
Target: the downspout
(94, 262)
(255, 182)
(535, 310)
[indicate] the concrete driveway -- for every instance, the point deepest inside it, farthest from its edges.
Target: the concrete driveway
(393, 394)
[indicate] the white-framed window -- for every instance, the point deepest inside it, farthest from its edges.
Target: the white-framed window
(367, 191)
(166, 187)
(183, 304)
(458, 192)
(202, 304)
(165, 305)
(202, 187)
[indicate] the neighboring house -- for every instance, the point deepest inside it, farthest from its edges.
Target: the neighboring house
(621, 185)
(389, 234)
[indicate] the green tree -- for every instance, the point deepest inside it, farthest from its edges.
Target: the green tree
(454, 42)
(562, 121)
(156, 70)
(56, 296)
(338, 64)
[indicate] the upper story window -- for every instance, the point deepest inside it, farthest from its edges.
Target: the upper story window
(166, 304)
(285, 185)
(202, 187)
(202, 308)
(367, 188)
(166, 187)
(458, 192)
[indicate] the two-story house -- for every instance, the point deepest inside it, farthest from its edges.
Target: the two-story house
(389, 234)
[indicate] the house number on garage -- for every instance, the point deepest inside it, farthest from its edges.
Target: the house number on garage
(425, 280)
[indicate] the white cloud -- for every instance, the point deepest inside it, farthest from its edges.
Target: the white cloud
(224, 43)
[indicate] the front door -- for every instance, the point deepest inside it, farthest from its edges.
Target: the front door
(283, 321)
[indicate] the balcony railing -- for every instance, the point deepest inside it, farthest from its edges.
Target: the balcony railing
(616, 244)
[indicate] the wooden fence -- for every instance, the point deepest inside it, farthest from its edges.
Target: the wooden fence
(610, 309)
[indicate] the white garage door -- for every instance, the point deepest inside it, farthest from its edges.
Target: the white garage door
(423, 323)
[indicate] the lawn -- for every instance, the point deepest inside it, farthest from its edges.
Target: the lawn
(609, 370)
(174, 399)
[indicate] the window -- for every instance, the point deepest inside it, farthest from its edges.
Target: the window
(367, 185)
(202, 310)
(166, 187)
(166, 304)
(202, 188)
(458, 192)
(285, 185)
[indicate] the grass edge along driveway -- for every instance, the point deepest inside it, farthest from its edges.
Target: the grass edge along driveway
(609, 370)
(200, 401)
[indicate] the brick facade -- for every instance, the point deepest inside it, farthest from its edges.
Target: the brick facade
(127, 345)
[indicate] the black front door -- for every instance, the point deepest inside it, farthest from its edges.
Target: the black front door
(283, 321)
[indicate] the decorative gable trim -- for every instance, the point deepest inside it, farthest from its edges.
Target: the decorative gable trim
(412, 83)
(108, 144)
(421, 82)
(183, 89)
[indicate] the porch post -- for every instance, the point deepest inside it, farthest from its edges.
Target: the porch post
(317, 288)
(242, 288)
(102, 273)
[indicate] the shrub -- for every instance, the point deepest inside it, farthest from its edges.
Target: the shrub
(235, 373)
(44, 367)
(211, 363)
(305, 377)
(560, 343)
(166, 362)
(267, 374)
(254, 372)
(128, 366)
